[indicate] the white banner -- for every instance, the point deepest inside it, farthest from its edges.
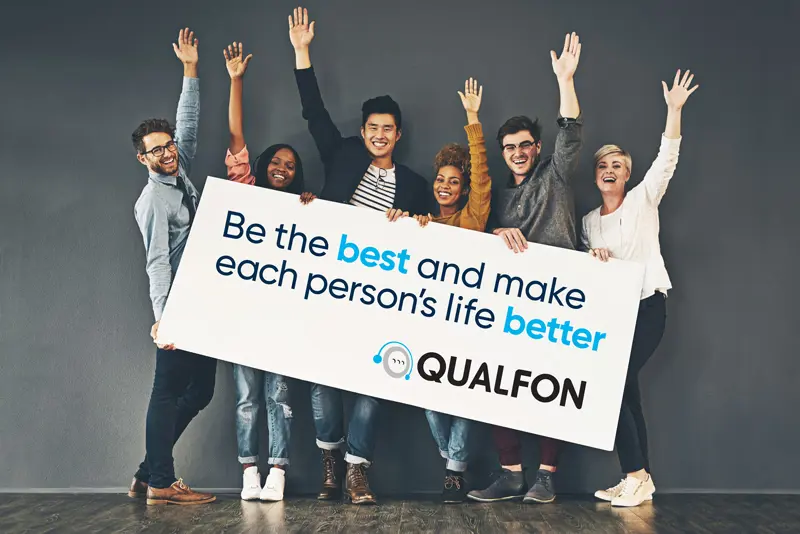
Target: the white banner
(436, 317)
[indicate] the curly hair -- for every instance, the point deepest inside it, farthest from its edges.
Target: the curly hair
(147, 127)
(454, 155)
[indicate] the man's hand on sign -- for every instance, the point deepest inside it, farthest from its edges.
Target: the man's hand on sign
(154, 335)
(395, 214)
(513, 237)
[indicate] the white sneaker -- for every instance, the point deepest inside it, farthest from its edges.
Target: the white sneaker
(273, 487)
(634, 492)
(610, 493)
(251, 484)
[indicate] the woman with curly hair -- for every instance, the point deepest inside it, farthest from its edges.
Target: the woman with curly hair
(462, 193)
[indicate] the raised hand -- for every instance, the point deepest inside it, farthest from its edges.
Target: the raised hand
(472, 95)
(564, 67)
(677, 96)
(186, 49)
(301, 33)
(233, 60)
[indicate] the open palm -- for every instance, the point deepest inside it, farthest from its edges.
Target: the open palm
(233, 60)
(564, 67)
(472, 95)
(186, 49)
(677, 96)
(301, 33)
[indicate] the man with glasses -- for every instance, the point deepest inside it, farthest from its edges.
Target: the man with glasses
(184, 382)
(361, 172)
(536, 205)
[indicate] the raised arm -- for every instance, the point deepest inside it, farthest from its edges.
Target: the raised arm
(188, 116)
(570, 135)
(236, 68)
(657, 179)
(325, 133)
(480, 191)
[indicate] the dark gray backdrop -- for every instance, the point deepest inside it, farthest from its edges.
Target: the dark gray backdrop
(721, 392)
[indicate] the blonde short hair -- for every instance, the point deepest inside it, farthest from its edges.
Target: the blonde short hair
(607, 150)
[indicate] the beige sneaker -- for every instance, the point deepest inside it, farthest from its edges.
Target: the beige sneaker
(634, 492)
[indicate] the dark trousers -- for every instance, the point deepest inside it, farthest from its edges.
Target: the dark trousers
(183, 385)
(509, 448)
(631, 440)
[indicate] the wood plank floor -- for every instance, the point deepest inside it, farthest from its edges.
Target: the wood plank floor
(103, 513)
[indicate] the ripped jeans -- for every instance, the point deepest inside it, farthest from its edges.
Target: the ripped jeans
(253, 386)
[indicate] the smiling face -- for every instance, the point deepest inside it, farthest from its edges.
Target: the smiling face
(520, 152)
(611, 170)
(448, 186)
(380, 134)
(160, 154)
(281, 169)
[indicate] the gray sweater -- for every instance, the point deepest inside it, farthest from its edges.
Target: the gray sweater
(542, 206)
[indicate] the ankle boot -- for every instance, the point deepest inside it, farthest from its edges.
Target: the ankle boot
(332, 467)
(358, 490)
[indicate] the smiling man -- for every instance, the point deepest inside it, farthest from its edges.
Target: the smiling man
(184, 382)
(536, 205)
(360, 171)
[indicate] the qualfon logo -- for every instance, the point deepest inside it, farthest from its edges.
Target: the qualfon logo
(396, 359)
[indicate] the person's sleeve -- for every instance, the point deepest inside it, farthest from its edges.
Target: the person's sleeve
(187, 122)
(151, 216)
(480, 192)
(325, 133)
(569, 141)
(238, 166)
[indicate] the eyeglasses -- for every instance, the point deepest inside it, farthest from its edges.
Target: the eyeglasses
(525, 146)
(159, 150)
(380, 182)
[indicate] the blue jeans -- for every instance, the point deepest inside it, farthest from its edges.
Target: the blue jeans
(326, 404)
(452, 437)
(253, 386)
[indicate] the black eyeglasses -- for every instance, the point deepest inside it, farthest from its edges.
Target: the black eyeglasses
(159, 150)
(525, 145)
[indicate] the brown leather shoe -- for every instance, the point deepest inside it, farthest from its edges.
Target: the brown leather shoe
(177, 493)
(138, 489)
(332, 467)
(358, 490)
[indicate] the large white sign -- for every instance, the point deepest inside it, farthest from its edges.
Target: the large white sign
(436, 317)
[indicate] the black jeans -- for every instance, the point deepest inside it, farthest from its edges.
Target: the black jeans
(631, 437)
(183, 385)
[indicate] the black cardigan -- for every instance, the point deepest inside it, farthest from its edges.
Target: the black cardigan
(346, 159)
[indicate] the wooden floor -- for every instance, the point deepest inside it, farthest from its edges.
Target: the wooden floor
(668, 513)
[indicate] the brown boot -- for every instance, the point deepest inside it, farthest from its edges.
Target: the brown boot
(332, 463)
(358, 485)
(177, 493)
(138, 489)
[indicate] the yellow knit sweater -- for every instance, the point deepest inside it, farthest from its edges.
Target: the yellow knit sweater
(474, 215)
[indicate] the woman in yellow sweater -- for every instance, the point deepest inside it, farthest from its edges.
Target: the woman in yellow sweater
(463, 196)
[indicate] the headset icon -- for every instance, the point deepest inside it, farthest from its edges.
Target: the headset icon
(407, 359)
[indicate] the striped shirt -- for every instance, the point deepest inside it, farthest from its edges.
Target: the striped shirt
(376, 189)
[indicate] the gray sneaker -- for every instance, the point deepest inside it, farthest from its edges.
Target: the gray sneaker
(542, 491)
(509, 485)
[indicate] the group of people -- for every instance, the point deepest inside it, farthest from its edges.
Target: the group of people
(534, 204)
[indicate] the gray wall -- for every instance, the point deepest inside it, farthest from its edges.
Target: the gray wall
(721, 392)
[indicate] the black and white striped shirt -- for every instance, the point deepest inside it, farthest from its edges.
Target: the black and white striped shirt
(376, 189)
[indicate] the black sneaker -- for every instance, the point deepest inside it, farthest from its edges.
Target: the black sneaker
(455, 488)
(509, 485)
(543, 490)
